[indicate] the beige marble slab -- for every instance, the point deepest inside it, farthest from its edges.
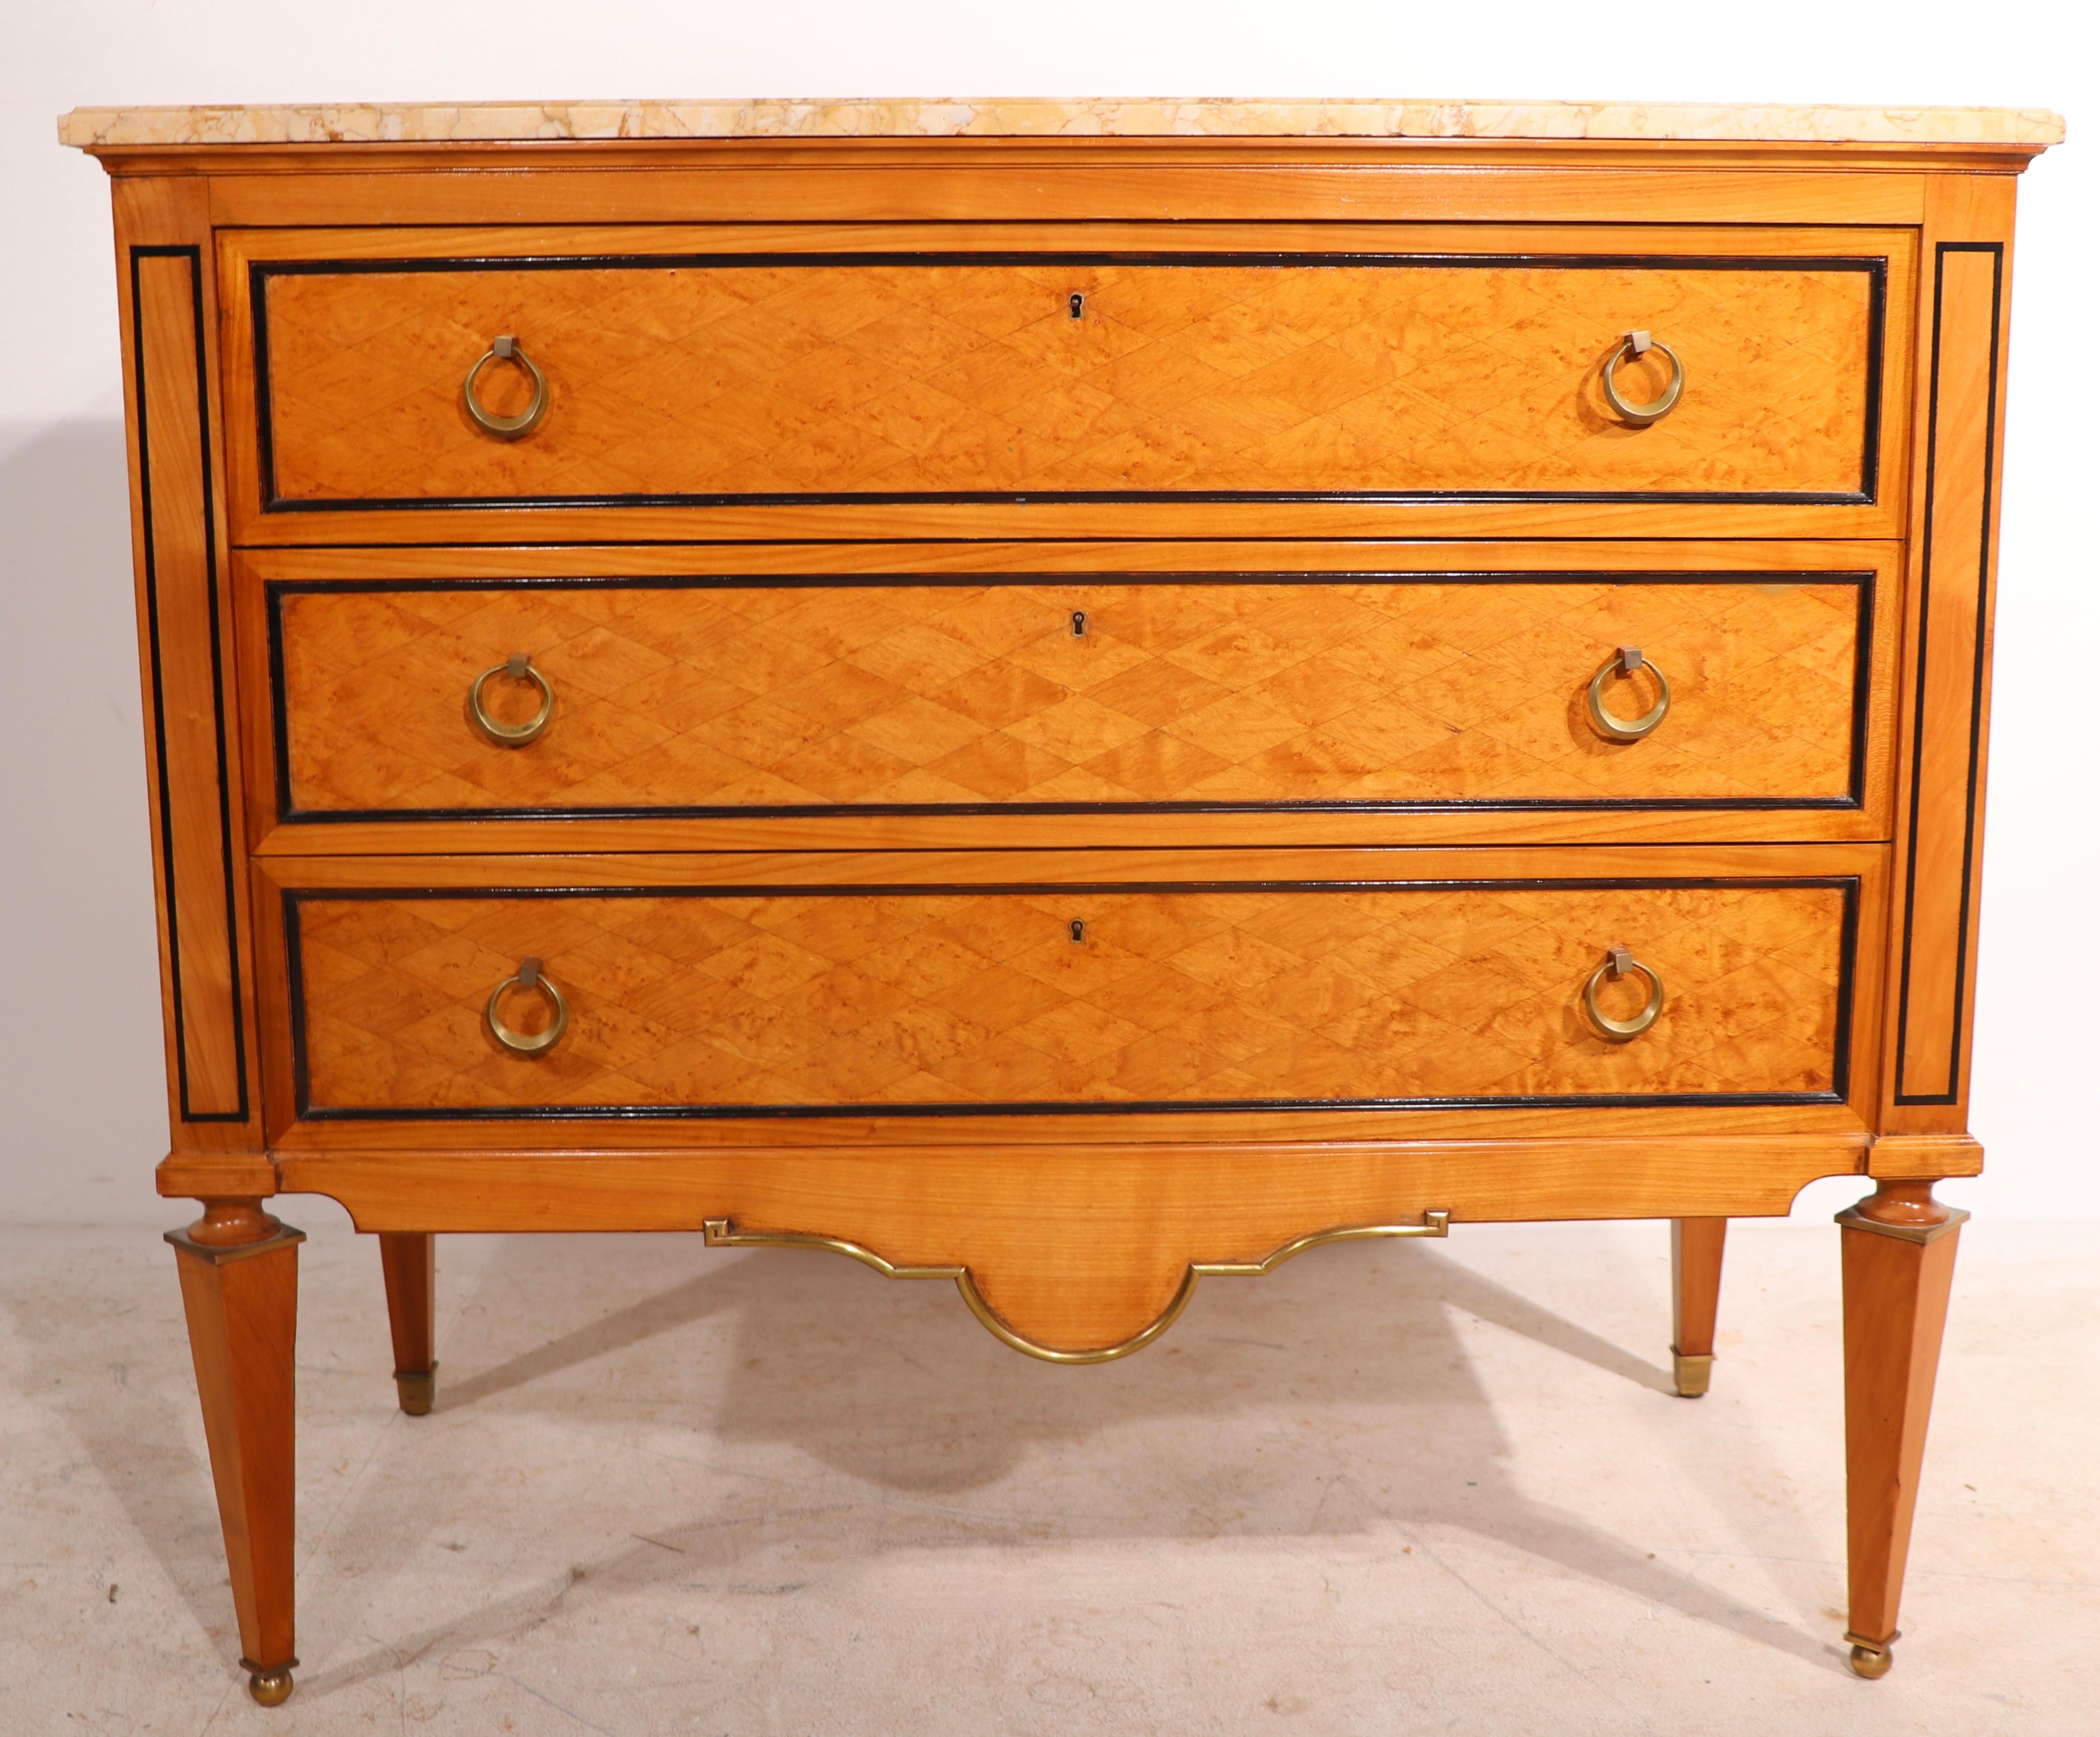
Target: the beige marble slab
(352, 123)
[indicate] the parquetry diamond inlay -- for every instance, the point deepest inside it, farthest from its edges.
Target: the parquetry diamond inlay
(770, 695)
(882, 378)
(915, 998)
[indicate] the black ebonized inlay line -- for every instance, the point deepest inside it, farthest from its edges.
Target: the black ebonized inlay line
(1952, 1094)
(1875, 268)
(276, 591)
(294, 898)
(163, 780)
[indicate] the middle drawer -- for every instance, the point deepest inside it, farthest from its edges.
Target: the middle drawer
(1734, 701)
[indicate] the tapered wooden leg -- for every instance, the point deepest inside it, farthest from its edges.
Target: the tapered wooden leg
(240, 1271)
(1899, 1252)
(409, 1260)
(1695, 1271)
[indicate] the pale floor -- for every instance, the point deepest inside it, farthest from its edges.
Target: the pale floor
(1392, 1488)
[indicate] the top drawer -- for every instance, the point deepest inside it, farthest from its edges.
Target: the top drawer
(1125, 373)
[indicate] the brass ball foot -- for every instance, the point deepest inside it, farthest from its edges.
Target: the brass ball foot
(1870, 1661)
(417, 1392)
(271, 1688)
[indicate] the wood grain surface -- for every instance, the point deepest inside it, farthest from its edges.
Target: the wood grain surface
(179, 580)
(1696, 1248)
(712, 695)
(242, 1316)
(786, 378)
(166, 293)
(871, 851)
(1337, 180)
(1896, 1294)
(379, 742)
(758, 366)
(1966, 305)
(408, 1266)
(1074, 1246)
(1218, 996)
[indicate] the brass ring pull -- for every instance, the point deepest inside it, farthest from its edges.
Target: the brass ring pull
(529, 976)
(1624, 662)
(513, 428)
(1639, 344)
(519, 667)
(1617, 963)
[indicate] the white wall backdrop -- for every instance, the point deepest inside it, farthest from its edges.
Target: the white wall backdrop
(81, 1118)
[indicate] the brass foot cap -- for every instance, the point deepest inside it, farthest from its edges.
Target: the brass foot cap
(418, 1391)
(1870, 1661)
(271, 1688)
(1694, 1372)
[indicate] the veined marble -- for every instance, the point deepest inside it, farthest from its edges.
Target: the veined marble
(352, 123)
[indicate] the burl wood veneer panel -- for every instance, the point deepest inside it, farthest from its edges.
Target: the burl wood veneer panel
(728, 696)
(723, 1000)
(698, 368)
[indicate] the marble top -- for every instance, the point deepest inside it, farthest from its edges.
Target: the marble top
(361, 123)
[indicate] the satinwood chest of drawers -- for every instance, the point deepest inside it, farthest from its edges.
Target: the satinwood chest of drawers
(1065, 697)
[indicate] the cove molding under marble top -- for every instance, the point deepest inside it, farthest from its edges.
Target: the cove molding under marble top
(358, 123)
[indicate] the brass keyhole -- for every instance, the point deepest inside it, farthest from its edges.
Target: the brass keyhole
(1079, 304)
(1078, 623)
(1078, 930)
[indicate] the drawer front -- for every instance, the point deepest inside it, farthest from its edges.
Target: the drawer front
(707, 367)
(702, 696)
(752, 1002)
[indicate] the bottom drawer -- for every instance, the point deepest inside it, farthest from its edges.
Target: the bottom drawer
(684, 990)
